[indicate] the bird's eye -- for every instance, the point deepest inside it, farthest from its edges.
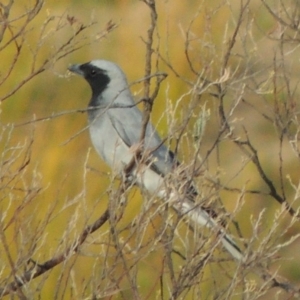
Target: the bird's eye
(93, 72)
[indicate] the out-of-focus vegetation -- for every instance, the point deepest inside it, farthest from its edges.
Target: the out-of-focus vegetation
(234, 61)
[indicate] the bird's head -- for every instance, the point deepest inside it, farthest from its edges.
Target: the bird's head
(106, 79)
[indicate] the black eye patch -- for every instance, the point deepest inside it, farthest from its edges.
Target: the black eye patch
(93, 72)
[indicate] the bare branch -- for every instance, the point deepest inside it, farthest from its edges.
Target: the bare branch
(40, 268)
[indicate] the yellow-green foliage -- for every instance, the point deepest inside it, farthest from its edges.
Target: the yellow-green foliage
(70, 179)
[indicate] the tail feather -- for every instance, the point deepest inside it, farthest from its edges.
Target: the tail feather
(202, 218)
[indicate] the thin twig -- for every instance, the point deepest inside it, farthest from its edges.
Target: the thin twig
(41, 268)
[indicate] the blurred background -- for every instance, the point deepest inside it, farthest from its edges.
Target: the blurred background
(67, 185)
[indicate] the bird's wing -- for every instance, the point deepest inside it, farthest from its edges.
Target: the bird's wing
(129, 125)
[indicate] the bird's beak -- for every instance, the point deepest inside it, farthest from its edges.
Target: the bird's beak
(76, 69)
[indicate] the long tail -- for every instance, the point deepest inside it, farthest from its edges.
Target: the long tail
(202, 218)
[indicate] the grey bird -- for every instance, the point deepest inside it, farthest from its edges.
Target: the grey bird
(115, 125)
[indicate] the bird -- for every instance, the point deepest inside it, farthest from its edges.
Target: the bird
(115, 125)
